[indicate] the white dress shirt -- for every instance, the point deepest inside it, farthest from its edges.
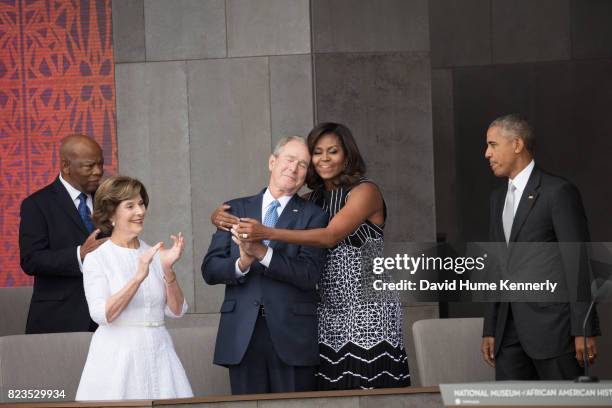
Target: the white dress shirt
(266, 201)
(74, 194)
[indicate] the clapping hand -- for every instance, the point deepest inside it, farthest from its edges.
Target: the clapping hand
(145, 260)
(168, 257)
(245, 259)
(253, 249)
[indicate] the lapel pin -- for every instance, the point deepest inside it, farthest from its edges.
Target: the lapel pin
(530, 197)
(295, 210)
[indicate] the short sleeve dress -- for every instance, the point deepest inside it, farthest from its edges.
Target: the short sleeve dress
(360, 329)
(133, 357)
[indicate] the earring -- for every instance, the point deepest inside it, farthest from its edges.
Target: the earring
(113, 223)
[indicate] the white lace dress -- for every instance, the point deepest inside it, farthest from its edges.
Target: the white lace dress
(133, 357)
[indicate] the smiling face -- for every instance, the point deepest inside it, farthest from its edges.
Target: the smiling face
(503, 152)
(288, 169)
(328, 157)
(129, 217)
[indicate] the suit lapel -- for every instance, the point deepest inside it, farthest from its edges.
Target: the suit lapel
(290, 213)
(67, 205)
(528, 199)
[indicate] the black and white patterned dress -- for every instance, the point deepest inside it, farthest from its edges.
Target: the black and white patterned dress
(360, 329)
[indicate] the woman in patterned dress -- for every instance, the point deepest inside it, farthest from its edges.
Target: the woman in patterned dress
(360, 333)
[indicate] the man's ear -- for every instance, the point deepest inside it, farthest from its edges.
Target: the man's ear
(519, 145)
(271, 161)
(65, 166)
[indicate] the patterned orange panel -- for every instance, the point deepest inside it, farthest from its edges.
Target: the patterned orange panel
(57, 77)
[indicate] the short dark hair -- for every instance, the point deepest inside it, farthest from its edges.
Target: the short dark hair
(517, 126)
(110, 194)
(355, 167)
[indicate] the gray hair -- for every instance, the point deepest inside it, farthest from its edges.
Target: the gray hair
(281, 143)
(518, 127)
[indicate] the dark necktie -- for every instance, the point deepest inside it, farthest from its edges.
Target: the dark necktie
(85, 213)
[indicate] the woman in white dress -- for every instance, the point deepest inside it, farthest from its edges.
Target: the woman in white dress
(129, 287)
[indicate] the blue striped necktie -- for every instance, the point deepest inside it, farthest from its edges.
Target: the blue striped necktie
(85, 213)
(271, 217)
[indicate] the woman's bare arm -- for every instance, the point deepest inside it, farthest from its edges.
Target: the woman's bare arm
(364, 202)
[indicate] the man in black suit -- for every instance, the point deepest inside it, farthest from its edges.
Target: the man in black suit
(55, 234)
(531, 341)
(268, 330)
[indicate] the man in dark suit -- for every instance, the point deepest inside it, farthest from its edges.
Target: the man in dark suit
(55, 234)
(531, 341)
(268, 330)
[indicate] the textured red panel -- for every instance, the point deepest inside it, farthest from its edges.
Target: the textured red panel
(57, 77)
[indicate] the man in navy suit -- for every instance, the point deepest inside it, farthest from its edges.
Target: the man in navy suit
(55, 234)
(536, 340)
(268, 329)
